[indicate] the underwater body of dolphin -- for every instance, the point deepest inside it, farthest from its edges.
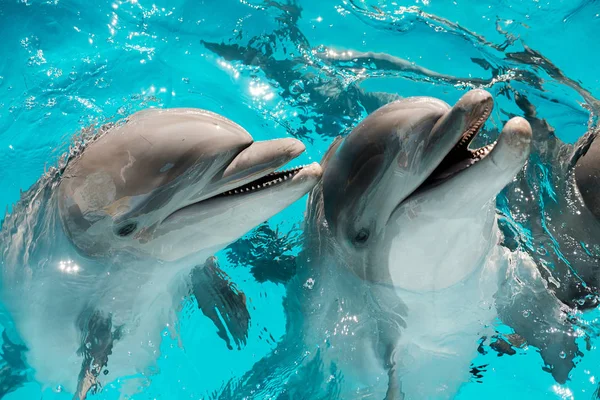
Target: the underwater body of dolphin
(96, 256)
(401, 261)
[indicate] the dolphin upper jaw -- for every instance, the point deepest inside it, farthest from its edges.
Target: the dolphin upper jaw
(446, 152)
(467, 117)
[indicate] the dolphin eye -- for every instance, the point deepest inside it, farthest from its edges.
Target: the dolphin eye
(362, 236)
(127, 229)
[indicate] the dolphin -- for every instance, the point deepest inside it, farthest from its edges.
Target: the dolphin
(97, 255)
(568, 210)
(401, 261)
(556, 202)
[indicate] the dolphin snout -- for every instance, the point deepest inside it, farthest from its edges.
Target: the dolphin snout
(265, 155)
(475, 102)
(518, 133)
(513, 145)
(293, 147)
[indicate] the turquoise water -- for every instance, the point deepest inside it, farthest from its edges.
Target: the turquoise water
(66, 64)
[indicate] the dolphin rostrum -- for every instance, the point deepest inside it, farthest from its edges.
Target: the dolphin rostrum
(97, 254)
(401, 261)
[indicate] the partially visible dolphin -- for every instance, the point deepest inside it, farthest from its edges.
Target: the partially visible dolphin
(96, 255)
(402, 261)
(565, 181)
(557, 202)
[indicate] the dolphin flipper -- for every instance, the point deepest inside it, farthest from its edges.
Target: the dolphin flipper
(394, 390)
(97, 341)
(222, 302)
(391, 323)
(12, 367)
(527, 306)
(266, 251)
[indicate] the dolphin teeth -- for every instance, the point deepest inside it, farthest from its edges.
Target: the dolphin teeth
(268, 180)
(473, 129)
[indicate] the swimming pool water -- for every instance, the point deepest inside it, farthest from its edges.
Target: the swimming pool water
(66, 64)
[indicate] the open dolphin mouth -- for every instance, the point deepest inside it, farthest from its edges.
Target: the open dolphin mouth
(461, 156)
(253, 177)
(255, 169)
(271, 179)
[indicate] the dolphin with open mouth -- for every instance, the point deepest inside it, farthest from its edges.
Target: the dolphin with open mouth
(401, 262)
(97, 255)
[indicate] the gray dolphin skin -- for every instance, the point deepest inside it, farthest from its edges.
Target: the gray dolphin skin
(97, 254)
(401, 261)
(587, 174)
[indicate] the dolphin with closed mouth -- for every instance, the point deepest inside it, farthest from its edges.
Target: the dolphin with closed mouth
(567, 226)
(97, 255)
(401, 262)
(558, 204)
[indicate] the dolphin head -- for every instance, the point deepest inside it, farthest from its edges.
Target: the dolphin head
(410, 161)
(389, 155)
(171, 183)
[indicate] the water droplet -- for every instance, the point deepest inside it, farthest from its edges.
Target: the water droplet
(562, 355)
(526, 313)
(310, 283)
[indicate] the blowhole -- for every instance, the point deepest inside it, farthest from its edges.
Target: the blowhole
(362, 236)
(127, 229)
